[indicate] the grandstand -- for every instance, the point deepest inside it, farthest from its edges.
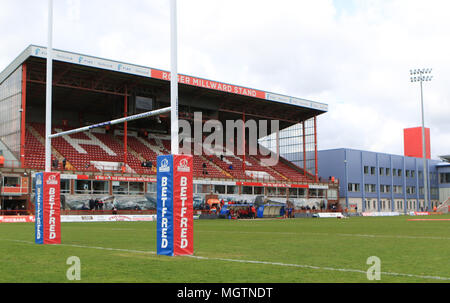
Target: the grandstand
(119, 161)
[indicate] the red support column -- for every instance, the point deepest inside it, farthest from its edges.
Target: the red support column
(243, 140)
(24, 107)
(304, 149)
(315, 149)
(125, 129)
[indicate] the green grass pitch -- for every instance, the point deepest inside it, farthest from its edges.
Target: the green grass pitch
(253, 251)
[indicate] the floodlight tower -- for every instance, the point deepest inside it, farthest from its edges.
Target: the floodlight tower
(423, 75)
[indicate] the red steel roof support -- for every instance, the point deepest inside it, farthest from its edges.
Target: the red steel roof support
(315, 149)
(24, 107)
(125, 129)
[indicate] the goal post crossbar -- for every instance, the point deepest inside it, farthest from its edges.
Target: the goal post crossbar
(112, 122)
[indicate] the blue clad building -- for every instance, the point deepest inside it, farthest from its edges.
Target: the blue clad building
(379, 182)
(444, 179)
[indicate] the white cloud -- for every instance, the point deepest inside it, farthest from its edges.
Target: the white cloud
(355, 56)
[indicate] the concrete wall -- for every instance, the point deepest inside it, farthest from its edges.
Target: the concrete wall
(444, 194)
(7, 153)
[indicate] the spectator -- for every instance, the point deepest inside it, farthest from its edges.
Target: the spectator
(100, 204)
(322, 205)
(96, 204)
(91, 204)
(55, 163)
(114, 210)
(213, 210)
(62, 201)
(86, 188)
(64, 162)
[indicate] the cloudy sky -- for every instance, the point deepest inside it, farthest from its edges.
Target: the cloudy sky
(354, 55)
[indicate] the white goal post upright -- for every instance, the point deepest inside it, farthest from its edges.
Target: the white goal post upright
(173, 78)
(48, 98)
(47, 202)
(174, 176)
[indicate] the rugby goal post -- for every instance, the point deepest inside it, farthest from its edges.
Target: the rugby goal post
(174, 172)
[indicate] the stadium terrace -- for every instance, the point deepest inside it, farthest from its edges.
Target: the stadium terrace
(114, 166)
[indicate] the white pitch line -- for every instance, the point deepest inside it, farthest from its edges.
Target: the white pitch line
(247, 261)
(395, 236)
(329, 234)
(85, 246)
(321, 268)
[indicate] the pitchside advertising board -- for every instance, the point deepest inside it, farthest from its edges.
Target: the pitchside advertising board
(175, 212)
(48, 209)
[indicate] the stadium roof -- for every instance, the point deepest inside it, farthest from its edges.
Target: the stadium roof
(138, 70)
(445, 158)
